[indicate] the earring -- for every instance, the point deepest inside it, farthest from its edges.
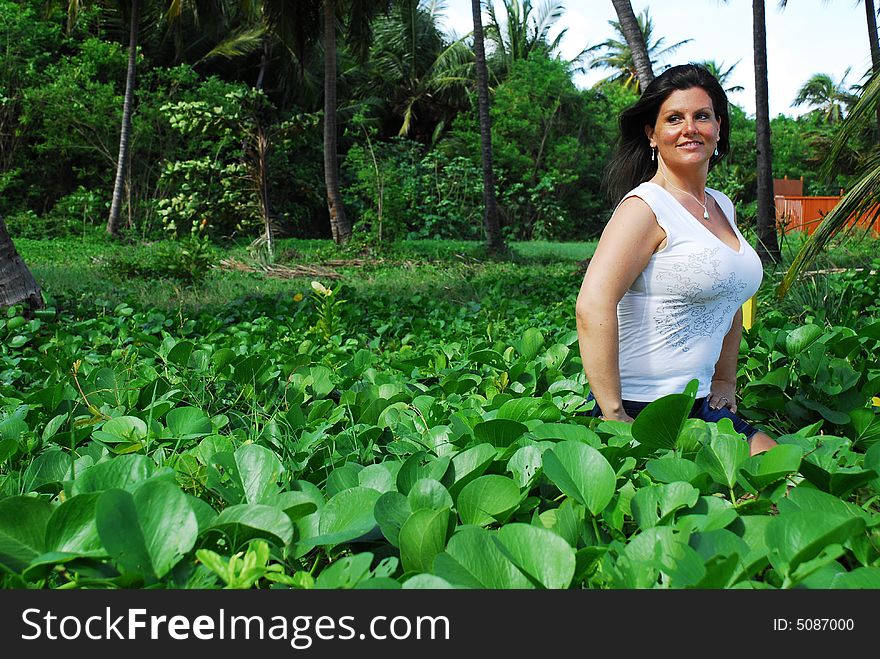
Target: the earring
(716, 150)
(653, 153)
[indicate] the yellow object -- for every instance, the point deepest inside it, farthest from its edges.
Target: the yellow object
(749, 313)
(875, 401)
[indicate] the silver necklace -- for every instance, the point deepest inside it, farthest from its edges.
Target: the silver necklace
(705, 209)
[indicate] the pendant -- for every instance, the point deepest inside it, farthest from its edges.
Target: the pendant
(706, 214)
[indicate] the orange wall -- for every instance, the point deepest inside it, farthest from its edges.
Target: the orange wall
(806, 213)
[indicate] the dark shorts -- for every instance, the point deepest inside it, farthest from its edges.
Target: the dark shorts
(700, 410)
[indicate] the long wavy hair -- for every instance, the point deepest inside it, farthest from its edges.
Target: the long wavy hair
(632, 163)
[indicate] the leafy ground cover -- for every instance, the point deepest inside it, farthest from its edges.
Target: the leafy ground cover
(418, 422)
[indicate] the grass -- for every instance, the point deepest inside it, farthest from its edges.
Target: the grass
(82, 269)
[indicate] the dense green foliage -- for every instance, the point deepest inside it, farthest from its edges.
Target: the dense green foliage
(419, 424)
(408, 136)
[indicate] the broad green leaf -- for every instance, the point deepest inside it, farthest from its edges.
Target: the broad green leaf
(421, 465)
(488, 499)
(72, 527)
(656, 504)
(670, 469)
(381, 476)
(343, 477)
(469, 464)
(188, 423)
(23, 523)
(582, 473)
(801, 338)
(121, 429)
(422, 537)
(345, 573)
(658, 425)
(718, 542)
(799, 536)
(346, 516)
(525, 465)
(567, 521)
(867, 578)
(428, 493)
(473, 560)
(566, 431)
(243, 522)
(249, 475)
(530, 343)
(771, 466)
(48, 468)
(426, 582)
(723, 457)
(866, 427)
(149, 531)
(391, 511)
(294, 504)
(543, 556)
(122, 472)
(499, 432)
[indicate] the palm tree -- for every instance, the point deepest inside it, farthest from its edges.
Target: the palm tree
(296, 26)
(494, 239)
(721, 74)
(768, 243)
(831, 99)
(874, 45)
(523, 32)
(133, 11)
(620, 57)
(636, 40)
(414, 73)
(17, 284)
(863, 198)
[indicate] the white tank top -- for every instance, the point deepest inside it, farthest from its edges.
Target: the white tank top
(673, 319)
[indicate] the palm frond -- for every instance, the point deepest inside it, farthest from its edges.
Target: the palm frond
(862, 200)
(240, 44)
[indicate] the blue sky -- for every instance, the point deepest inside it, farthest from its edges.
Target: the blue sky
(809, 36)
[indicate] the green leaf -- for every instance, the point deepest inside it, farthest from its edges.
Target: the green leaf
(530, 344)
(23, 523)
(670, 469)
(801, 338)
(422, 537)
(488, 499)
(421, 465)
(249, 475)
(723, 457)
(149, 531)
(188, 423)
(659, 424)
(543, 556)
(473, 560)
(566, 432)
(499, 432)
(121, 429)
(243, 522)
(428, 493)
(582, 473)
(469, 464)
(771, 466)
(346, 516)
(345, 573)
(391, 511)
(122, 472)
(866, 428)
(657, 504)
(867, 578)
(799, 536)
(525, 465)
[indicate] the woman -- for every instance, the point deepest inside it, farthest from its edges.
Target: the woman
(661, 301)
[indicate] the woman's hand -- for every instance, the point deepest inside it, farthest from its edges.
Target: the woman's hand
(722, 393)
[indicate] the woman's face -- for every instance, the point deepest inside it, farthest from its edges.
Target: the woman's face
(687, 128)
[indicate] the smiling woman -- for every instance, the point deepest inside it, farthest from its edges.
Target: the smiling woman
(660, 304)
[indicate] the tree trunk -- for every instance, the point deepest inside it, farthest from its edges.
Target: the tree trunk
(17, 284)
(340, 227)
(768, 245)
(114, 223)
(494, 240)
(629, 25)
(871, 14)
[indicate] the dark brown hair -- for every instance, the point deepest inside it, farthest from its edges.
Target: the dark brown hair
(632, 163)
